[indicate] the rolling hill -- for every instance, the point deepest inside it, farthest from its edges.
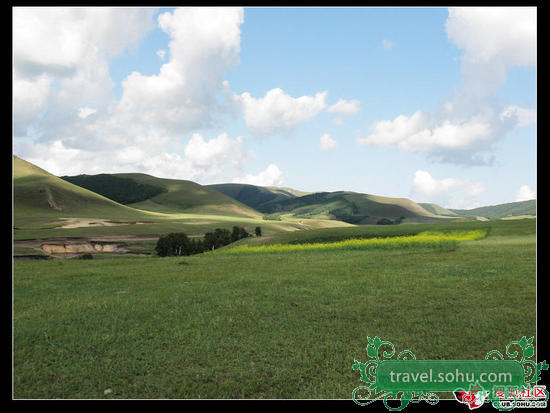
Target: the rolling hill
(39, 195)
(351, 207)
(437, 210)
(171, 196)
(46, 206)
(257, 197)
(512, 209)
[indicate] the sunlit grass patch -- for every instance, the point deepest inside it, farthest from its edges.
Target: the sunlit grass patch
(427, 239)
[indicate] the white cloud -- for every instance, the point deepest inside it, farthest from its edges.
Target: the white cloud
(61, 68)
(424, 182)
(270, 176)
(213, 153)
(161, 53)
(423, 132)
(278, 112)
(84, 112)
(492, 38)
(489, 34)
(387, 44)
(327, 143)
(60, 59)
(344, 107)
(466, 126)
(183, 96)
(520, 116)
(203, 160)
(448, 192)
(525, 193)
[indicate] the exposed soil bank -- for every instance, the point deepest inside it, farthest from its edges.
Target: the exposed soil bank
(80, 247)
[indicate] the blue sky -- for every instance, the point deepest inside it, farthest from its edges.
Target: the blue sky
(431, 104)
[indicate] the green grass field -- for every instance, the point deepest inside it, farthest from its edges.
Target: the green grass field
(266, 325)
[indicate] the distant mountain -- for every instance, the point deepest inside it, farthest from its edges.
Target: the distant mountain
(154, 194)
(512, 209)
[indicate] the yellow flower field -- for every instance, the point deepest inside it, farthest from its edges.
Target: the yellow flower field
(427, 239)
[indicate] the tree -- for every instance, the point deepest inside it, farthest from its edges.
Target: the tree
(258, 231)
(216, 239)
(175, 243)
(239, 233)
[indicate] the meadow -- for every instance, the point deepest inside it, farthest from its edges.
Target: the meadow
(269, 324)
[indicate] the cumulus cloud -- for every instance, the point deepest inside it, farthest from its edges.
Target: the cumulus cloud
(424, 132)
(466, 126)
(448, 192)
(493, 38)
(519, 116)
(270, 176)
(60, 59)
(84, 112)
(327, 143)
(525, 193)
(203, 159)
(183, 96)
(63, 92)
(344, 107)
(277, 112)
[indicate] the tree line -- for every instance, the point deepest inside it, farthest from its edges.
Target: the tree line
(178, 243)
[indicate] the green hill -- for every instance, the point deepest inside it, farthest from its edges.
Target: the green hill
(123, 190)
(169, 196)
(40, 196)
(437, 210)
(256, 197)
(512, 209)
(149, 193)
(351, 207)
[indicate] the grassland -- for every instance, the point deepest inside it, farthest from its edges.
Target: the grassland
(271, 324)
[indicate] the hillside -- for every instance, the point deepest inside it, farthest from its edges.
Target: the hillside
(437, 210)
(351, 207)
(500, 211)
(178, 196)
(39, 195)
(256, 197)
(123, 190)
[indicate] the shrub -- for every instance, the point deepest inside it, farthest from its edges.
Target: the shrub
(385, 221)
(258, 231)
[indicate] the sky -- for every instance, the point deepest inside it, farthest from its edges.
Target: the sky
(431, 104)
